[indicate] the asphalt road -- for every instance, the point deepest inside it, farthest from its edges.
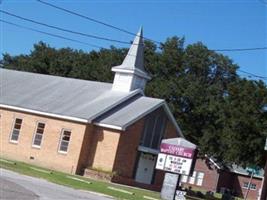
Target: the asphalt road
(14, 186)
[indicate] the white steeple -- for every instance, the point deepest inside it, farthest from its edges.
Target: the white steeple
(131, 74)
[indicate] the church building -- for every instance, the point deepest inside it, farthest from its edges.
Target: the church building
(70, 125)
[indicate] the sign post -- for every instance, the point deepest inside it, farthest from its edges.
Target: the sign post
(177, 157)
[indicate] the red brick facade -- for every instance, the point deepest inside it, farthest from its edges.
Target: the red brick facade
(218, 180)
(90, 146)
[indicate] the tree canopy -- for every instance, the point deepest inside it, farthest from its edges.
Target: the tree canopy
(218, 110)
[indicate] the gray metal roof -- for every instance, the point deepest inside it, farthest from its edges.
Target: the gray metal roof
(240, 170)
(130, 111)
(88, 100)
(58, 95)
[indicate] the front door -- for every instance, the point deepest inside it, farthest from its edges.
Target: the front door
(145, 168)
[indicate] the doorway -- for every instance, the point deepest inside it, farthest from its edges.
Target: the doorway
(145, 168)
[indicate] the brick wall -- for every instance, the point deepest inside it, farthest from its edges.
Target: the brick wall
(48, 155)
(127, 150)
(103, 148)
(239, 190)
(126, 157)
(85, 149)
(211, 175)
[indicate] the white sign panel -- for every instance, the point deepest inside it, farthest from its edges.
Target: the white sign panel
(180, 195)
(161, 161)
(177, 164)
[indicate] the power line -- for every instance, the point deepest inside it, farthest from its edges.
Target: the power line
(97, 37)
(94, 20)
(131, 33)
(65, 30)
(50, 34)
(114, 40)
(241, 49)
(251, 74)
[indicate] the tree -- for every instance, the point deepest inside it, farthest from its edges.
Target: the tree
(215, 108)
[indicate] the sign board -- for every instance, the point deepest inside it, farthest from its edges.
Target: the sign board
(180, 195)
(178, 165)
(169, 186)
(177, 150)
(161, 161)
(175, 158)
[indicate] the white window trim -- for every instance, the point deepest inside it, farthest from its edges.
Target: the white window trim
(34, 134)
(246, 188)
(12, 129)
(61, 135)
(192, 178)
(197, 178)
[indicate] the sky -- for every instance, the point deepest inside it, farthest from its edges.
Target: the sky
(219, 24)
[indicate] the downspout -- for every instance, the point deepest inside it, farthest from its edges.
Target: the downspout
(217, 181)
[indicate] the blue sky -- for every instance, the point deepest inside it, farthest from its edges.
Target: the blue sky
(219, 24)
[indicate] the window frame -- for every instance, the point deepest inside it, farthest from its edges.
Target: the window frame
(35, 133)
(60, 140)
(247, 186)
(192, 179)
(12, 130)
(198, 178)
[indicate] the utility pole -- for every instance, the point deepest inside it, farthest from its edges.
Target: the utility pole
(264, 184)
(249, 183)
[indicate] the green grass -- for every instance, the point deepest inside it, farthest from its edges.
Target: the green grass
(62, 179)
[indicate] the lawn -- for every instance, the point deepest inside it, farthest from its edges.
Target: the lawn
(79, 182)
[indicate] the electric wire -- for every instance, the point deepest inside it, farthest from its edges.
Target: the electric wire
(97, 37)
(50, 34)
(241, 49)
(94, 20)
(131, 33)
(63, 29)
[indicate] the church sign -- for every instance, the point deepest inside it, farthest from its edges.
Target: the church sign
(176, 158)
(177, 150)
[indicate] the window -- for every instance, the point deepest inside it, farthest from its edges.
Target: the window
(200, 177)
(16, 129)
(38, 136)
(252, 186)
(197, 178)
(192, 178)
(155, 124)
(64, 141)
(184, 178)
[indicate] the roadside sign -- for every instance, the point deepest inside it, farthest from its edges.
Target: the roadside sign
(175, 158)
(177, 150)
(180, 195)
(169, 186)
(161, 161)
(177, 155)
(178, 165)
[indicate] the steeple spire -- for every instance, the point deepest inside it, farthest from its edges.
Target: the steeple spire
(131, 73)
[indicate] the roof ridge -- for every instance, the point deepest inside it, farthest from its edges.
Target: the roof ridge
(54, 76)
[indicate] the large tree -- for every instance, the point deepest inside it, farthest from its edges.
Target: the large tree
(215, 108)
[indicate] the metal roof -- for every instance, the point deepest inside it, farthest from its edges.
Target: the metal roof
(129, 111)
(74, 99)
(58, 95)
(240, 170)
